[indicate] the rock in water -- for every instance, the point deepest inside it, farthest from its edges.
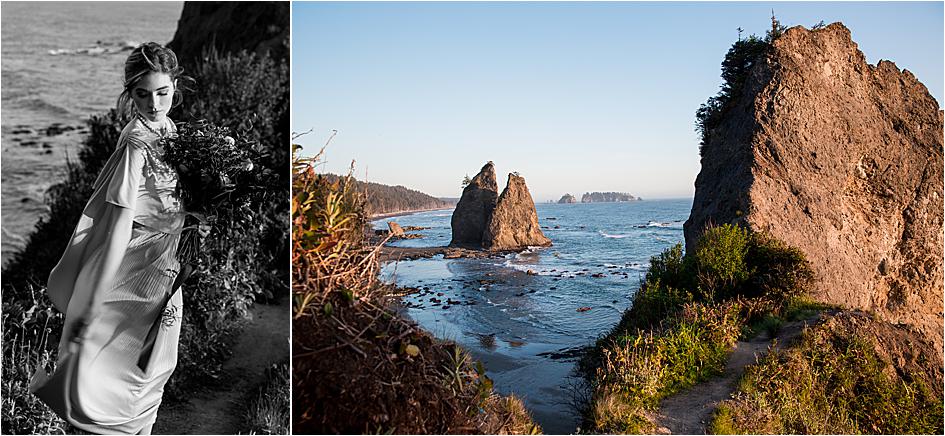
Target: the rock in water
(395, 229)
(514, 222)
(843, 160)
(474, 208)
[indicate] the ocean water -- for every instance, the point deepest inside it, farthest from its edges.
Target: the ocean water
(62, 62)
(526, 327)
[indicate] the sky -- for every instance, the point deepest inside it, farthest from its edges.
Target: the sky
(576, 97)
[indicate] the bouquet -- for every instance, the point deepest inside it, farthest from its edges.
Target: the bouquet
(215, 170)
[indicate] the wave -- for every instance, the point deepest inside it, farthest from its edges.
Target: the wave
(665, 224)
(100, 48)
(526, 268)
(607, 235)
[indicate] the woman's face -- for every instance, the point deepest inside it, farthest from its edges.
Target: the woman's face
(153, 96)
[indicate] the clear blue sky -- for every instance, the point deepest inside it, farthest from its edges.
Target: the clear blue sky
(576, 97)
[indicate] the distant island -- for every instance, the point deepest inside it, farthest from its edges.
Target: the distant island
(607, 197)
(567, 198)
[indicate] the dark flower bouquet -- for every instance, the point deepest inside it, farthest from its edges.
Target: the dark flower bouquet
(215, 169)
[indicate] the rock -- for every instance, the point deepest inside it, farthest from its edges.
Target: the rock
(395, 229)
(567, 199)
(843, 160)
(474, 208)
(514, 222)
(259, 27)
(607, 197)
(531, 272)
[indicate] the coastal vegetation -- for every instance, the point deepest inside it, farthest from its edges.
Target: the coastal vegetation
(351, 344)
(684, 320)
(835, 380)
(243, 259)
(383, 199)
(741, 57)
(692, 309)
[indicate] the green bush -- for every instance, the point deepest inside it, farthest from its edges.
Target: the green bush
(778, 272)
(720, 264)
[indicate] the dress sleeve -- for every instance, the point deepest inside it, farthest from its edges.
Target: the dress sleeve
(123, 186)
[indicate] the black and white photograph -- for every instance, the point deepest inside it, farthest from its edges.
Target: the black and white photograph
(145, 217)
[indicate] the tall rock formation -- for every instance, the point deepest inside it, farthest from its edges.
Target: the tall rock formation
(474, 208)
(514, 222)
(843, 160)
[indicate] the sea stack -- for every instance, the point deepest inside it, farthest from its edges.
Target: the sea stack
(514, 222)
(843, 160)
(474, 208)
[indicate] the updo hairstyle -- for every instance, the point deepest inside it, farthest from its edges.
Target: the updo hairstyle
(146, 58)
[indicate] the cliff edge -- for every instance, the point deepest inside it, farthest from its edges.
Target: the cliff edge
(843, 160)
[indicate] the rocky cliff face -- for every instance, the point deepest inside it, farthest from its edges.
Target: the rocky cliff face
(843, 160)
(260, 27)
(474, 208)
(514, 222)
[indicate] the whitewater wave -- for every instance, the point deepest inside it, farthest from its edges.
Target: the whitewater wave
(102, 48)
(608, 235)
(666, 224)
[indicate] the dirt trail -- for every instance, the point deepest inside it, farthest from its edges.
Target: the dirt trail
(263, 341)
(689, 412)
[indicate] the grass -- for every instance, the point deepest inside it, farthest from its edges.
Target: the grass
(833, 381)
(686, 317)
(268, 412)
(638, 369)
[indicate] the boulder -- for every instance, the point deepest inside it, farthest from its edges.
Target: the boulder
(514, 222)
(395, 229)
(843, 160)
(474, 208)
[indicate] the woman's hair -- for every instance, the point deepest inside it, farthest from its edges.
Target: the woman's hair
(146, 58)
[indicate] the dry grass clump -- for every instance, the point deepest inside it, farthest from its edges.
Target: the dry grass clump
(849, 375)
(359, 367)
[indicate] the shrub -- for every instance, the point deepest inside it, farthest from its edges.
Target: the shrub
(720, 266)
(778, 272)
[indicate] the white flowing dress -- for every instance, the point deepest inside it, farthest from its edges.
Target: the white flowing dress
(113, 392)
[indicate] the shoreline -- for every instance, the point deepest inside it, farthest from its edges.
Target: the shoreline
(375, 217)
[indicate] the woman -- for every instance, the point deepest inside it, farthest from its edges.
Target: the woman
(116, 279)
